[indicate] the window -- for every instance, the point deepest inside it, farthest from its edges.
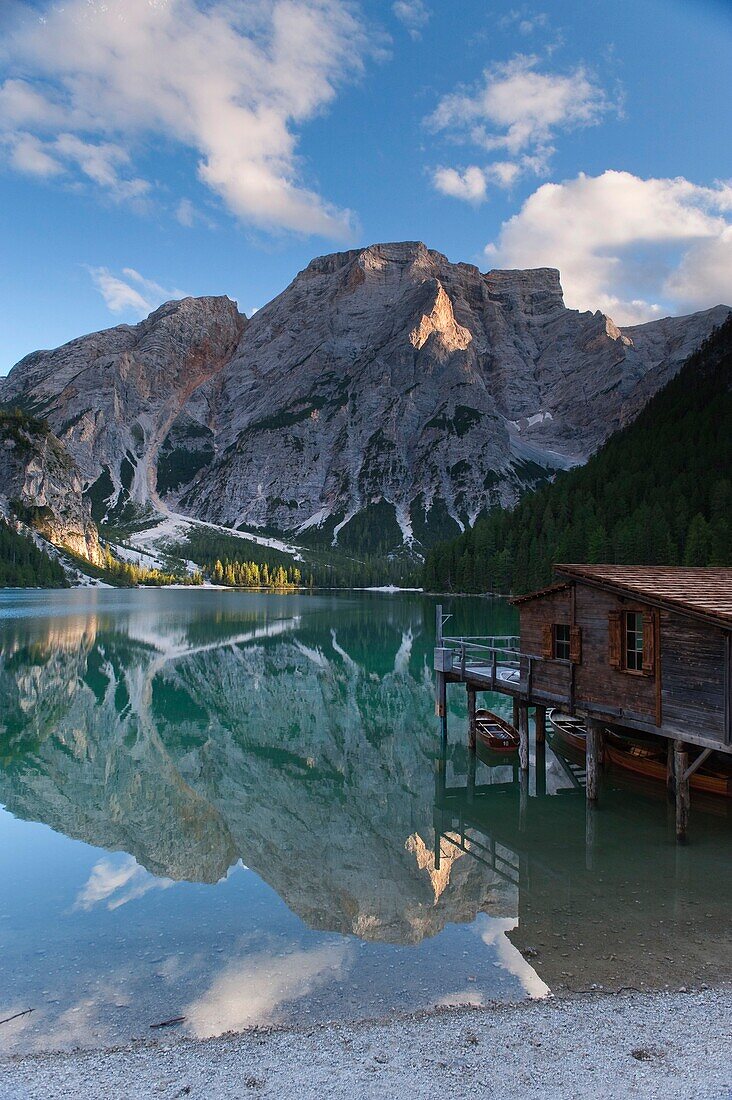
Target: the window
(561, 641)
(633, 641)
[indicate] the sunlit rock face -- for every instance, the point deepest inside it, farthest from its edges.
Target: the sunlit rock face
(385, 377)
(111, 397)
(41, 487)
(391, 375)
(312, 768)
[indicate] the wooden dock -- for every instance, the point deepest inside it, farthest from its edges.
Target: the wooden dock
(648, 651)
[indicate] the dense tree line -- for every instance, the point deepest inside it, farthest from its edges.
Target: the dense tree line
(127, 574)
(23, 565)
(250, 574)
(658, 492)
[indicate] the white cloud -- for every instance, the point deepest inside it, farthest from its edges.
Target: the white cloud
(132, 293)
(525, 21)
(518, 110)
(29, 155)
(233, 82)
(633, 247)
(186, 213)
(117, 883)
(704, 275)
(471, 184)
(189, 215)
(413, 14)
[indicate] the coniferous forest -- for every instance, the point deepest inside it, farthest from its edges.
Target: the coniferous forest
(659, 492)
(23, 565)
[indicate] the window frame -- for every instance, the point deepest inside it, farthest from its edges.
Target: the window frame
(565, 643)
(638, 650)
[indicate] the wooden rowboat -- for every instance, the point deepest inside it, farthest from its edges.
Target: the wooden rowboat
(571, 730)
(713, 780)
(495, 732)
(643, 756)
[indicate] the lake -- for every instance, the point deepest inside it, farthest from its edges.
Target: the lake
(226, 806)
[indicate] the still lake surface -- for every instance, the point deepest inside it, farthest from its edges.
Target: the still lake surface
(226, 806)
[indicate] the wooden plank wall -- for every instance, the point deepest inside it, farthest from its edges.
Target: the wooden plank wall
(554, 608)
(692, 675)
(596, 681)
(692, 663)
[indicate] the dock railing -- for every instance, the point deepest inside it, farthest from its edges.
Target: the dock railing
(498, 659)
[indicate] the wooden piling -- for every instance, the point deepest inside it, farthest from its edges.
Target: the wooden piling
(590, 834)
(471, 719)
(671, 771)
(523, 729)
(441, 705)
(594, 757)
(516, 705)
(472, 762)
(540, 724)
(540, 768)
(681, 756)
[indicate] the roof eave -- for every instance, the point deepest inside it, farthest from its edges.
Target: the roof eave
(628, 592)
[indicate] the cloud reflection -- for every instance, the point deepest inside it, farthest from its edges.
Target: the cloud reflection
(252, 990)
(492, 931)
(117, 883)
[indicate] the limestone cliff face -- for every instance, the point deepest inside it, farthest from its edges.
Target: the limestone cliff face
(111, 397)
(390, 374)
(40, 485)
(386, 376)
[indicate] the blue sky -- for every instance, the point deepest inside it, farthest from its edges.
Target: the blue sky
(153, 148)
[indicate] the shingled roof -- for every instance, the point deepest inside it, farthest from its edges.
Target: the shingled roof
(699, 592)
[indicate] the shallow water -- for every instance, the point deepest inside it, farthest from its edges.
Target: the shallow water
(227, 807)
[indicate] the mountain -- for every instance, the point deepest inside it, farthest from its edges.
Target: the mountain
(41, 487)
(658, 492)
(111, 397)
(386, 396)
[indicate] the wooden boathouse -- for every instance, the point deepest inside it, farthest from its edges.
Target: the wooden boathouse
(645, 649)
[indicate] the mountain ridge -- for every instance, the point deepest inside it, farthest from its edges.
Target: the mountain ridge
(658, 492)
(384, 384)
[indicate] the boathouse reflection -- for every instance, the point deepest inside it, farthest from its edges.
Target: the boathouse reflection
(605, 896)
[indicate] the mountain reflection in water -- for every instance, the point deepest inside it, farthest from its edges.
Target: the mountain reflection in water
(285, 747)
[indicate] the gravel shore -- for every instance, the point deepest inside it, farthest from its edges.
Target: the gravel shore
(664, 1045)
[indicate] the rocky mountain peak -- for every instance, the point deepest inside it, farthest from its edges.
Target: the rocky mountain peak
(384, 377)
(535, 292)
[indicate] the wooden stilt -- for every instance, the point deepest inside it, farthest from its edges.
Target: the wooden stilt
(471, 719)
(523, 799)
(540, 768)
(590, 830)
(516, 705)
(540, 725)
(472, 761)
(670, 772)
(594, 756)
(681, 756)
(523, 729)
(441, 705)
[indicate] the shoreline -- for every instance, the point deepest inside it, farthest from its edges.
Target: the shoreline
(662, 1044)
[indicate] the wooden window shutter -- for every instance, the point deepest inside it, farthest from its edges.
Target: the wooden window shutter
(547, 641)
(615, 648)
(649, 642)
(575, 645)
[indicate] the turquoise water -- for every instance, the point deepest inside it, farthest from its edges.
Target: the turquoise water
(226, 807)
